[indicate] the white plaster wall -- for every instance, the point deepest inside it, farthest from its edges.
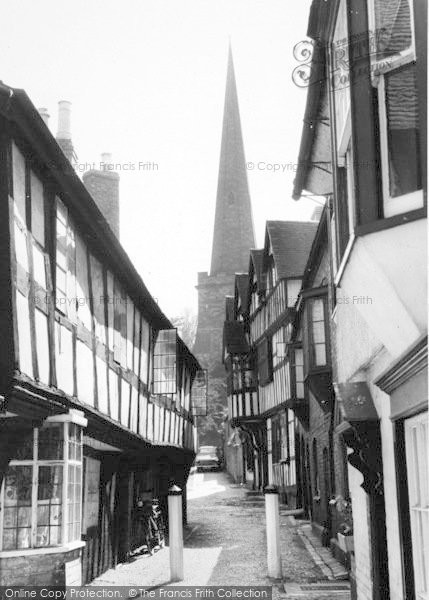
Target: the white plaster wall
(362, 542)
(387, 270)
(401, 254)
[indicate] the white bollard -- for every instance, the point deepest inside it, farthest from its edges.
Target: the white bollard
(274, 558)
(175, 533)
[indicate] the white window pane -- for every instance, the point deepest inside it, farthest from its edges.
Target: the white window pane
(317, 313)
(320, 354)
(319, 332)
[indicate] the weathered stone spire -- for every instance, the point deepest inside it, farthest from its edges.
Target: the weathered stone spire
(232, 240)
(233, 231)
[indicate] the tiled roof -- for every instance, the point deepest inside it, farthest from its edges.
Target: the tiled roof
(234, 337)
(291, 243)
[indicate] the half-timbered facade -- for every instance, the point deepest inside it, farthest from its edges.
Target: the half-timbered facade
(322, 487)
(268, 379)
(370, 61)
(95, 384)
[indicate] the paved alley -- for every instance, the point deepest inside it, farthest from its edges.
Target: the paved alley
(225, 545)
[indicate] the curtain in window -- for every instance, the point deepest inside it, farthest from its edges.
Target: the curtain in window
(403, 135)
(393, 26)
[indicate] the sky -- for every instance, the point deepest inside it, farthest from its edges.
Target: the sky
(146, 79)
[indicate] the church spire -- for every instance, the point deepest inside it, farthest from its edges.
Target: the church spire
(233, 231)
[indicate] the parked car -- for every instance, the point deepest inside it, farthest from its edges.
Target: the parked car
(208, 459)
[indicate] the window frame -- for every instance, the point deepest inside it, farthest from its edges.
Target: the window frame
(380, 67)
(35, 462)
(392, 205)
(312, 366)
(166, 386)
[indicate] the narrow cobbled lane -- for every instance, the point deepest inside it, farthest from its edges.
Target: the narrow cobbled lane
(225, 545)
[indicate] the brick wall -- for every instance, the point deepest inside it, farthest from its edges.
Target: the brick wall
(208, 349)
(104, 188)
(36, 569)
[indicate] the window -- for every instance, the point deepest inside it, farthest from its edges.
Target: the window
(265, 361)
(401, 159)
(236, 375)
(278, 346)
(41, 492)
(298, 355)
(317, 333)
(393, 59)
(164, 362)
(250, 380)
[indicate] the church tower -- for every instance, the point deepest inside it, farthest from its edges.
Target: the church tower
(233, 237)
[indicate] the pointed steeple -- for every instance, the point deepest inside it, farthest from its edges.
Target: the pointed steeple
(233, 231)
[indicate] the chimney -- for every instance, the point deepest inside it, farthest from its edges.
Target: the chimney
(103, 185)
(64, 130)
(43, 112)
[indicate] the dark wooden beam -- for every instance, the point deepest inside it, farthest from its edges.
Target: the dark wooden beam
(8, 322)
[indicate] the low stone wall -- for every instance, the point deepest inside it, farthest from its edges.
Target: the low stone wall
(36, 569)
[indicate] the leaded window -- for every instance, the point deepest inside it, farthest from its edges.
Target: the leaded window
(41, 494)
(164, 362)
